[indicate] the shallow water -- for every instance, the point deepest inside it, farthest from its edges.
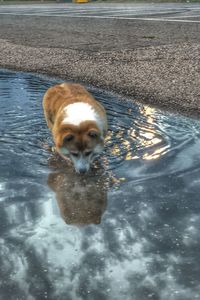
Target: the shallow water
(128, 230)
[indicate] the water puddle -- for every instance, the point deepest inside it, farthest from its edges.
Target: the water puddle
(130, 229)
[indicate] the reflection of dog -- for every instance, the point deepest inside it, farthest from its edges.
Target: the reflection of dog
(82, 200)
(78, 123)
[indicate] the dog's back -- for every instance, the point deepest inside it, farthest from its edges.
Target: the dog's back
(62, 95)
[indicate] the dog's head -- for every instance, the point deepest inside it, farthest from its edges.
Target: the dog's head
(82, 143)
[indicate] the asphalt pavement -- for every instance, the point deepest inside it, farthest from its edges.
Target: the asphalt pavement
(148, 52)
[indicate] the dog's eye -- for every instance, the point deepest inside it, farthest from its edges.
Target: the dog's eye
(93, 134)
(68, 138)
(74, 154)
(88, 153)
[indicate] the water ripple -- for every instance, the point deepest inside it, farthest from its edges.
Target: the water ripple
(136, 132)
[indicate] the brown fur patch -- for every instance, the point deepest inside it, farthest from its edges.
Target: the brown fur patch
(55, 100)
(83, 206)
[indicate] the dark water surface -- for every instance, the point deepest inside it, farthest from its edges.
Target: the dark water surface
(64, 236)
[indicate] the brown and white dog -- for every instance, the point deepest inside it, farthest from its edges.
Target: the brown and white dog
(78, 123)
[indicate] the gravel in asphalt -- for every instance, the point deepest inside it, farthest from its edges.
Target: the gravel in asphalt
(156, 63)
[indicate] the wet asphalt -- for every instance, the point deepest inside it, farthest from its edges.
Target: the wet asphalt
(149, 53)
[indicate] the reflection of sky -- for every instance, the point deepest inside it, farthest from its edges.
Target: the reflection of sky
(143, 248)
(147, 244)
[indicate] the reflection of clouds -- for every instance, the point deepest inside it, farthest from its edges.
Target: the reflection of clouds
(163, 254)
(191, 235)
(138, 252)
(13, 272)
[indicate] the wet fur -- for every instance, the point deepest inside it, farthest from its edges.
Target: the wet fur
(55, 103)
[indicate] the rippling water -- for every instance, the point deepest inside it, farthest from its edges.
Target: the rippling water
(65, 236)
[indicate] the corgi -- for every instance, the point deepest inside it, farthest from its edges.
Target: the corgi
(81, 200)
(78, 123)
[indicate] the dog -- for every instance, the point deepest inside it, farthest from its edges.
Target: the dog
(78, 123)
(81, 201)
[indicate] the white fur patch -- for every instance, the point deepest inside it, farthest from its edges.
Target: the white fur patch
(79, 112)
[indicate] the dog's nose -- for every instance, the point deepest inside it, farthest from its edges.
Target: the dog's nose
(82, 170)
